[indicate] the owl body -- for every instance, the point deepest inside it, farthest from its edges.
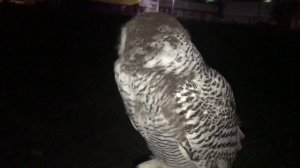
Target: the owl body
(184, 109)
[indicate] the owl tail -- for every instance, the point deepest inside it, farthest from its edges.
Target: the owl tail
(241, 136)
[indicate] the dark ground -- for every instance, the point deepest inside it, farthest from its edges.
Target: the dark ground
(60, 106)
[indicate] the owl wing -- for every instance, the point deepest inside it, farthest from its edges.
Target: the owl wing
(212, 136)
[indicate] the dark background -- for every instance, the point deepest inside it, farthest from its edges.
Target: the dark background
(60, 106)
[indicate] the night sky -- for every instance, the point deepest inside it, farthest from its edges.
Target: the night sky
(60, 106)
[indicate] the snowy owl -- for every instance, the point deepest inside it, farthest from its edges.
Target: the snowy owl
(184, 109)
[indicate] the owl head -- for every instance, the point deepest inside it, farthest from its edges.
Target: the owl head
(154, 40)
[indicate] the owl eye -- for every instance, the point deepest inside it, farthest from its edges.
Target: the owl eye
(179, 59)
(154, 44)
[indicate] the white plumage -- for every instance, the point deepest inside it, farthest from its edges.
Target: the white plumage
(184, 109)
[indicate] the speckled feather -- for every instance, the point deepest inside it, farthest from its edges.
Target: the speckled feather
(184, 109)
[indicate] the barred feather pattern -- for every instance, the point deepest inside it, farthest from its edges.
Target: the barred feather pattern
(184, 109)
